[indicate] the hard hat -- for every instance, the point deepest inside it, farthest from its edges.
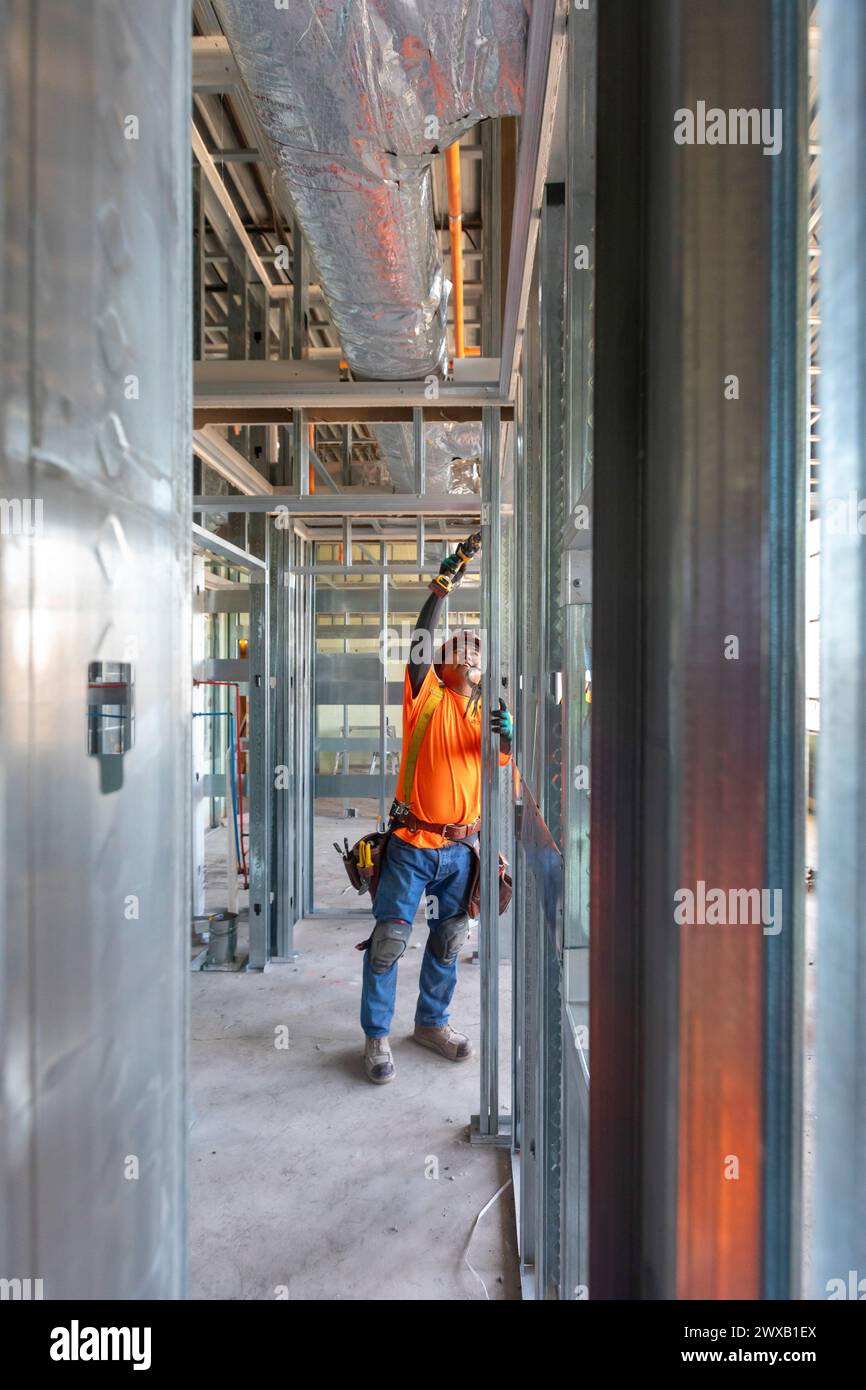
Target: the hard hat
(460, 649)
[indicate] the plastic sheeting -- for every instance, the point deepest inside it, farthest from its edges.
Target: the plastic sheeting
(355, 97)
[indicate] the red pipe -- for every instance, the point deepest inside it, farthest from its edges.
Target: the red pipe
(238, 767)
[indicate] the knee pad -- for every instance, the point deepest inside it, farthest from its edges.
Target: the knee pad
(387, 944)
(447, 938)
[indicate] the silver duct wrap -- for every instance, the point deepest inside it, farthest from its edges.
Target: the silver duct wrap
(354, 98)
(451, 457)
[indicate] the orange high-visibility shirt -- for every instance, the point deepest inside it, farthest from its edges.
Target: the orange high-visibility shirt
(447, 786)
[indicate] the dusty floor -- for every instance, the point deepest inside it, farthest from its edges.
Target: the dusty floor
(810, 1099)
(306, 1181)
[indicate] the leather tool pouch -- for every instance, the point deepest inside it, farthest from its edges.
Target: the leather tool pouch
(506, 887)
(366, 879)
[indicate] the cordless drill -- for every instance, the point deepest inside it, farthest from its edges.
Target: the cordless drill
(451, 569)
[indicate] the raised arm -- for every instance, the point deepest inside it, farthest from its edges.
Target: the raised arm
(450, 573)
(421, 646)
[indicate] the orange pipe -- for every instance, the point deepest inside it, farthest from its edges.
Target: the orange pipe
(455, 227)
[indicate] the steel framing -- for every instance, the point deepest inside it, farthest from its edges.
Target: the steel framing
(490, 1124)
(668, 471)
(692, 750)
(840, 1139)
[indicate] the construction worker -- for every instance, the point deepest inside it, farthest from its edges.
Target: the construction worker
(430, 852)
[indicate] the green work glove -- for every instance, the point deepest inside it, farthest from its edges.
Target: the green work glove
(502, 723)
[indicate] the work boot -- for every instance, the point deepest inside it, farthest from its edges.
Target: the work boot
(378, 1062)
(455, 1047)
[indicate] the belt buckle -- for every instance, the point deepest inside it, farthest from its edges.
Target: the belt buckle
(446, 828)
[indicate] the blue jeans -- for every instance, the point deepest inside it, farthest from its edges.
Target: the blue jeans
(444, 875)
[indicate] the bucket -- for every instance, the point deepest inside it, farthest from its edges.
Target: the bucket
(223, 933)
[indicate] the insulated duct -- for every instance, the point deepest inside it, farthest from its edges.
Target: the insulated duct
(451, 456)
(354, 99)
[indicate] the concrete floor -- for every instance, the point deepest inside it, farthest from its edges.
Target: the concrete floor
(306, 1181)
(810, 1098)
(309, 1181)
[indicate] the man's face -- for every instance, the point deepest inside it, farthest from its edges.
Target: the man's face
(463, 662)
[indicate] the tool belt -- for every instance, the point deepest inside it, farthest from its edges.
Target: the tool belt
(407, 820)
(404, 819)
(363, 862)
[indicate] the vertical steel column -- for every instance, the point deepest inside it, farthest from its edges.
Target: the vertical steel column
(300, 293)
(576, 596)
(419, 451)
(282, 474)
(306, 704)
(282, 769)
(697, 730)
(488, 946)
(294, 752)
(383, 686)
(258, 332)
(785, 519)
(347, 455)
(198, 262)
(553, 463)
(198, 300)
(283, 700)
(260, 763)
(576, 583)
(300, 452)
(520, 706)
(237, 301)
(840, 1150)
(237, 276)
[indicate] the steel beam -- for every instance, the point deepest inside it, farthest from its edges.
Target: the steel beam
(212, 174)
(339, 415)
(220, 456)
(317, 384)
(343, 504)
(214, 69)
(231, 554)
